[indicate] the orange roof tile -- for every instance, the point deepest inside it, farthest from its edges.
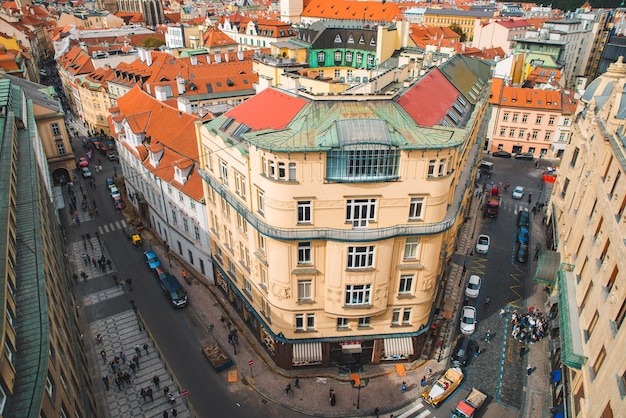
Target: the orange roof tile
(254, 111)
(352, 10)
(214, 37)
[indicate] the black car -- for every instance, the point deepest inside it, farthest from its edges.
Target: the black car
(463, 351)
(502, 154)
(524, 156)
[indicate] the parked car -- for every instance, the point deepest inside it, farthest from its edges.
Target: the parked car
(114, 192)
(87, 173)
(463, 351)
(522, 253)
(468, 320)
(472, 289)
(152, 260)
(523, 219)
(119, 203)
(502, 154)
(522, 236)
(518, 192)
(524, 156)
(83, 161)
(111, 156)
(482, 244)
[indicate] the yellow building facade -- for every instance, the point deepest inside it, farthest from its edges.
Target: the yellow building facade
(331, 219)
(588, 232)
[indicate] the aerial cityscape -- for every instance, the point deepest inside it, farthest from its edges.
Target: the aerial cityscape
(330, 208)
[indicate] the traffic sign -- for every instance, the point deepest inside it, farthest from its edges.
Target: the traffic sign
(251, 362)
(184, 393)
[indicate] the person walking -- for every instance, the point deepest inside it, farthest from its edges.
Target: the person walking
(122, 284)
(143, 394)
(118, 382)
(103, 354)
(156, 381)
(149, 394)
(106, 381)
(166, 414)
(423, 381)
(137, 348)
(145, 348)
(403, 387)
(174, 412)
(529, 370)
(136, 360)
(129, 281)
(522, 350)
(166, 390)
(132, 366)
(123, 357)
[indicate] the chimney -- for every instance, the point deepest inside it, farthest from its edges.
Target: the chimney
(148, 57)
(180, 83)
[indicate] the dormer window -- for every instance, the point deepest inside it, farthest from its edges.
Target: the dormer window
(155, 156)
(180, 175)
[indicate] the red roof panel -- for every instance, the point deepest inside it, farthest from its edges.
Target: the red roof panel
(270, 109)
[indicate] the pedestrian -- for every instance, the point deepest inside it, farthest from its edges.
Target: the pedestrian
(123, 357)
(122, 284)
(132, 366)
(145, 348)
(136, 359)
(331, 392)
(184, 274)
(129, 281)
(156, 381)
(423, 381)
(143, 394)
(297, 383)
(137, 348)
(530, 195)
(103, 354)
(376, 411)
(529, 370)
(166, 390)
(118, 382)
(166, 414)
(127, 377)
(113, 366)
(288, 389)
(522, 350)
(149, 394)
(105, 380)
(174, 412)
(487, 302)
(403, 387)
(502, 312)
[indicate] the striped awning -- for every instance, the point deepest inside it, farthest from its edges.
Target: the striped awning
(402, 346)
(307, 353)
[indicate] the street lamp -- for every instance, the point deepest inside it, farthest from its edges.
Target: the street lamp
(132, 303)
(362, 383)
(232, 338)
(167, 250)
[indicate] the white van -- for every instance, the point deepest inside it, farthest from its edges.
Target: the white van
(486, 167)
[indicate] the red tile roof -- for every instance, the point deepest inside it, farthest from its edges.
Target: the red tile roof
(527, 98)
(429, 112)
(167, 127)
(254, 111)
(214, 37)
(514, 23)
(352, 10)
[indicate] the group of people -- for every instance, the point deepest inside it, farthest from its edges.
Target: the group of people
(529, 326)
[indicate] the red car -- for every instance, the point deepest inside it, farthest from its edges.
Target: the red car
(83, 161)
(119, 203)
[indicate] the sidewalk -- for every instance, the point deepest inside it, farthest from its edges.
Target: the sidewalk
(380, 384)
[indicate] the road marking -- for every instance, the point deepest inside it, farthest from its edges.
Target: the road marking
(423, 414)
(117, 225)
(415, 408)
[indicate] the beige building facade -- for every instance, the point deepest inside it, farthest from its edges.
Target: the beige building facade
(588, 232)
(530, 120)
(331, 220)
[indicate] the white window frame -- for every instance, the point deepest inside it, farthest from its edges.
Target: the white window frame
(365, 322)
(442, 167)
(305, 252)
(406, 284)
(292, 172)
(260, 201)
(361, 257)
(305, 322)
(343, 323)
(224, 173)
(360, 212)
(305, 290)
(358, 294)
(416, 209)
(431, 168)
(411, 246)
(305, 210)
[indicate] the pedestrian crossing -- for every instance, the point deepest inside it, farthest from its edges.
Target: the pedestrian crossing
(112, 226)
(416, 411)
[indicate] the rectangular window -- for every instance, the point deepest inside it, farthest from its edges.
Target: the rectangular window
(502, 131)
(260, 201)
(304, 212)
(242, 224)
(305, 290)
(240, 185)
(282, 172)
(406, 284)
(342, 323)
(364, 322)
(261, 242)
(406, 316)
(416, 208)
(248, 286)
(565, 187)
(360, 211)
(360, 257)
(395, 317)
(55, 129)
(599, 361)
(224, 173)
(431, 168)
(292, 171)
(574, 157)
(592, 324)
(305, 322)
(611, 282)
(538, 120)
(60, 148)
(548, 136)
(505, 116)
(263, 277)
(410, 248)
(358, 294)
(442, 167)
(512, 133)
(525, 118)
(551, 120)
(272, 168)
(619, 319)
(304, 253)
(50, 386)
(515, 117)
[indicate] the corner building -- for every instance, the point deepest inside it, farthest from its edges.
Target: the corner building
(332, 216)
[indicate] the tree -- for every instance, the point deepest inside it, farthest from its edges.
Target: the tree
(152, 42)
(457, 29)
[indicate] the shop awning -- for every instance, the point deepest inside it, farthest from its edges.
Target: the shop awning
(572, 352)
(402, 346)
(353, 348)
(547, 267)
(307, 352)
